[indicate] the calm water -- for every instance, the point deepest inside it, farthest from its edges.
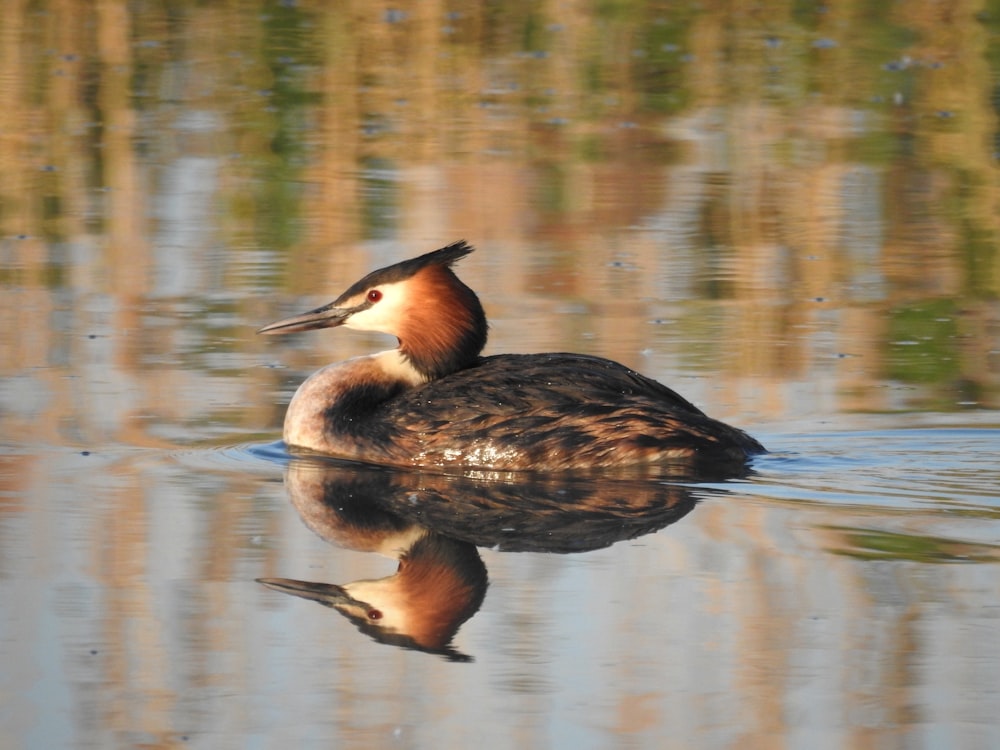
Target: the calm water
(788, 214)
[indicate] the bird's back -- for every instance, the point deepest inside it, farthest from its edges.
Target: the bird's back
(545, 412)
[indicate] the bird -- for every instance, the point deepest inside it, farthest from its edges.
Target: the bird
(435, 402)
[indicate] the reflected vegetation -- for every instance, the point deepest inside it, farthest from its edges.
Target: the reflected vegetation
(871, 544)
(432, 523)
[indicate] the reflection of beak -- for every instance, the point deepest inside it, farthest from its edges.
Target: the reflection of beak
(327, 594)
(327, 316)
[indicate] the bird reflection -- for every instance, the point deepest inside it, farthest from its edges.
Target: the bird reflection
(433, 523)
(439, 585)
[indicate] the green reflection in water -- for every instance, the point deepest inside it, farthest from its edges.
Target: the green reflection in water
(659, 68)
(923, 343)
(867, 544)
(982, 258)
(289, 50)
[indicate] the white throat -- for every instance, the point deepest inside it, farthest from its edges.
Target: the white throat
(393, 363)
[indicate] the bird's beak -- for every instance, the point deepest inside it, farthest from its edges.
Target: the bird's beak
(327, 316)
(327, 594)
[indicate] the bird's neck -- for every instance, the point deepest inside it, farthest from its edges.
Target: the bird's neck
(447, 330)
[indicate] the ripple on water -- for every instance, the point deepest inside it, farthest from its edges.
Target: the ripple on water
(899, 469)
(263, 458)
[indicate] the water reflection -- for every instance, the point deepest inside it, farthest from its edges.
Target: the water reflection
(432, 524)
(439, 585)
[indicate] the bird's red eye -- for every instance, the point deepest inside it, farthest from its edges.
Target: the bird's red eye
(374, 295)
(374, 614)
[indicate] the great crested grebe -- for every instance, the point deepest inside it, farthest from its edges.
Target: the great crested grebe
(435, 402)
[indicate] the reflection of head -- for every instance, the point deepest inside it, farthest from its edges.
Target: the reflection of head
(439, 585)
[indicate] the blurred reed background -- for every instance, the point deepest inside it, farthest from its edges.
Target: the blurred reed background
(799, 200)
